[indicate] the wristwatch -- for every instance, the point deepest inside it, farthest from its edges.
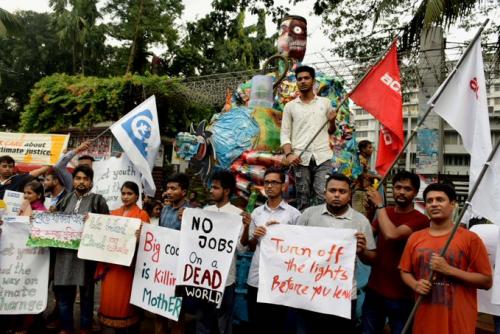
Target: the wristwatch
(380, 206)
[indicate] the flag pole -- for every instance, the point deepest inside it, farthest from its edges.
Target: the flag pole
(454, 230)
(437, 95)
(101, 134)
(346, 96)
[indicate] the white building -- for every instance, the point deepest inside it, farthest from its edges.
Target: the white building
(456, 160)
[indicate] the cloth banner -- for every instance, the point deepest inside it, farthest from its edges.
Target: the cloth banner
(308, 267)
(33, 148)
(24, 271)
(14, 201)
(490, 237)
(153, 288)
(380, 94)
(461, 102)
(109, 176)
(109, 239)
(138, 133)
(207, 245)
(56, 230)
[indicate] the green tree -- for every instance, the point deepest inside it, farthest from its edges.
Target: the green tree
(359, 29)
(220, 42)
(141, 24)
(25, 57)
(76, 28)
(9, 23)
(60, 101)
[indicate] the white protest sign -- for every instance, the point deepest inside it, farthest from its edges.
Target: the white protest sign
(153, 288)
(208, 242)
(308, 267)
(14, 201)
(56, 230)
(109, 239)
(490, 237)
(109, 176)
(24, 271)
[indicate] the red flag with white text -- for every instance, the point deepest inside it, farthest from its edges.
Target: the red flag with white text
(379, 93)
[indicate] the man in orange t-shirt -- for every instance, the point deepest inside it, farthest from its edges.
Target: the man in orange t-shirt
(450, 302)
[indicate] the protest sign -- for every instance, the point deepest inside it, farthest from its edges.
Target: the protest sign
(153, 288)
(109, 239)
(14, 201)
(56, 230)
(308, 267)
(24, 271)
(34, 148)
(109, 176)
(207, 245)
(490, 237)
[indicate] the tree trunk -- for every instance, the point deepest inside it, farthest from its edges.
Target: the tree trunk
(134, 41)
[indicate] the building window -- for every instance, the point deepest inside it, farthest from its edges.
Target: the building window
(497, 87)
(362, 134)
(363, 122)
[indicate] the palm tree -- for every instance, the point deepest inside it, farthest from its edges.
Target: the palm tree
(8, 23)
(75, 26)
(429, 12)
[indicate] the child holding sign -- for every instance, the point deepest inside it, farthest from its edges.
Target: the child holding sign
(115, 310)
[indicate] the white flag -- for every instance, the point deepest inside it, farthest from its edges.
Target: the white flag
(138, 133)
(463, 105)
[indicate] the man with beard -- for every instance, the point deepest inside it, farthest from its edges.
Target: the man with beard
(302, 118)
(177, 189)
(71, 272)
(210, 319)
(449, 304)
(267, 318)
(337, 213)
(60, 166)
(386, 294)
(54, 189)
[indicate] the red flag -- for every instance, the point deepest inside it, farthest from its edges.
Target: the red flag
(379, 93)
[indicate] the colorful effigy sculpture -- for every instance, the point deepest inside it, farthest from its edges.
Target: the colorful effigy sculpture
(245, 135)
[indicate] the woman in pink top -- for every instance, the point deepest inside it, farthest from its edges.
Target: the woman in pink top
(33, 198)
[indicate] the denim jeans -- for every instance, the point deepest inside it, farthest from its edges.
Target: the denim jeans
(213, 320)
(377, 309)
(66, 299)
(310, 183)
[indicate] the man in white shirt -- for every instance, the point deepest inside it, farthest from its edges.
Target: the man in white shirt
(267, 318)
(209, 319)
(302, 119)
(337, 213)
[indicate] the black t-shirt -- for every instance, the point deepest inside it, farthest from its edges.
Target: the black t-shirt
(16, 183)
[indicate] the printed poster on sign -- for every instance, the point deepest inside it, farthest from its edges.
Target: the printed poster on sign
(207, 245)
(109, 239)
(308, 267)
(24, 271)
(33, 148)
(14, 201)
(153, 288)
(56, 230)
(109, 176)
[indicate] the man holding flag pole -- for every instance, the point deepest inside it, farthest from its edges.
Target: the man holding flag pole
(461, 101)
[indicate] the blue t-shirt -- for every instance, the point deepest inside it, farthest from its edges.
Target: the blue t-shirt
(169, 218)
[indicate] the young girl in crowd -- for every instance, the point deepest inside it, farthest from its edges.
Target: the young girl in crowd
(115, 310)
(33, 198)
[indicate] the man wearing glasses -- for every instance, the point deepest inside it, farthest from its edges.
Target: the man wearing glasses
(267, 318)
